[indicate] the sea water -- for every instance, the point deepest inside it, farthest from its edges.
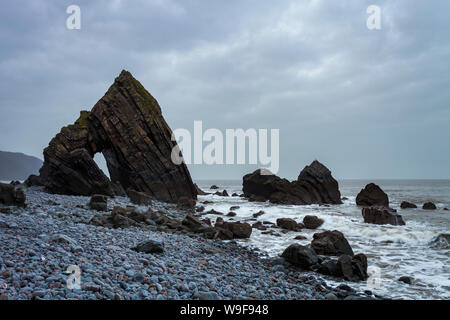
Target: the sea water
(393, 251)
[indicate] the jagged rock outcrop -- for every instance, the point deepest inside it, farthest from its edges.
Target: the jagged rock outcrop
(372, 195)
(382, 215)
(315, 184)
(127, 126)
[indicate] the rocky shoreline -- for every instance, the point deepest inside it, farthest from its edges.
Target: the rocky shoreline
(41, 241)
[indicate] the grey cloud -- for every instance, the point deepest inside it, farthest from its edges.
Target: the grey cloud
(369, 104)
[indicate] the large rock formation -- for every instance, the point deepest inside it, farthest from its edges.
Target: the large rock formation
(127, 126)
(372, 195)
(315, 184)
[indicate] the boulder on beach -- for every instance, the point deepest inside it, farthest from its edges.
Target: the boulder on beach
(382, 215)
(240, 230)
(372, 195)
(126, 125)
(312, 222)
(300, 256)
(99, 202)
(429, 206)
(11, 196)
(315, 184)
(407, 205)
(332, 243)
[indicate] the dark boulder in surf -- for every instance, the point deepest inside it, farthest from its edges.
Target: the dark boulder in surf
(407, 205)
(331, 243)
(429, 206)
(381, 215)
(289, 224)
(312, 222)
(372, 195)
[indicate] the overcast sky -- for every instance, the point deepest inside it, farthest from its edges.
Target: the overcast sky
(366, 103)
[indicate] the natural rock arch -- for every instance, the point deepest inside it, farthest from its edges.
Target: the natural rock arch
(127, 126)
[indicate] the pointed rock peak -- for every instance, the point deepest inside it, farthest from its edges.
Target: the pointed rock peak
(126, 86)
(315, 169)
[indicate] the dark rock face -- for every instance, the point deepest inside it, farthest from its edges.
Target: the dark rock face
(200, 191)
(99, 202)
(315, 184)
(301, 256)
(139, 198)
(312, 222)
(381, 215)
(429, 206)
(329, 267)
(347, 267)
(407, 205)
(34, 180)
(332, 243)
(372, 195)
(353, 269)
(127, 126)
(320, 182)
(10, 196)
